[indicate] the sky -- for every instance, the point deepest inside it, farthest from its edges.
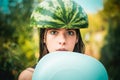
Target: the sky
(91, 6)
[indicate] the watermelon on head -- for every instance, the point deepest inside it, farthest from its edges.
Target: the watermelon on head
(59, 14)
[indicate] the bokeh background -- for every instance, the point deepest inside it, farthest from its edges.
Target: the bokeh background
(19, 43)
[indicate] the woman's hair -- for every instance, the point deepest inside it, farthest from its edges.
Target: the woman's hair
(79, 47)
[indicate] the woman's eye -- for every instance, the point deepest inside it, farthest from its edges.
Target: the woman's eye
(71, 33)
(53, 32)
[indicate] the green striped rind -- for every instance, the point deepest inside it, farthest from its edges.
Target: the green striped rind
(59, 14)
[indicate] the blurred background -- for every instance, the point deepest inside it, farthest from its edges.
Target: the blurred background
(19, 43)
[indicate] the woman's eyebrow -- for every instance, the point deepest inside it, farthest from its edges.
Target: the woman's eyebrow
(52, 29)
(58, 29)
(70, 29)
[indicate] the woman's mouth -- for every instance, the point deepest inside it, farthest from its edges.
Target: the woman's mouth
(62, 49)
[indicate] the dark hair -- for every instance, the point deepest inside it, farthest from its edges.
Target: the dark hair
(79, 47)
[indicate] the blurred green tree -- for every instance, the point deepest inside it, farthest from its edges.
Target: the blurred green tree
(110, 53)
(17, 48)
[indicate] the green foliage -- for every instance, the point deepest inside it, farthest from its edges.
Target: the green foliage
(17, 46)
(111, 50)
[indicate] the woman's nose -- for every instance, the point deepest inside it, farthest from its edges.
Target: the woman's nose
(62, 39)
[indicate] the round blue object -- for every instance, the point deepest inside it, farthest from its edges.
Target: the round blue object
(63, 65)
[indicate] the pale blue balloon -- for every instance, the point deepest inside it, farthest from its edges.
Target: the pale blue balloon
(63, 65)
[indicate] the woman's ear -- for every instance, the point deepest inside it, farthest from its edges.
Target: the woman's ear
(76, 40)
(44, 40)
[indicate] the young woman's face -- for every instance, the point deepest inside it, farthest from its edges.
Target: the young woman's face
(60, 39)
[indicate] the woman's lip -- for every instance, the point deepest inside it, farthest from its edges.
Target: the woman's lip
(61, 50)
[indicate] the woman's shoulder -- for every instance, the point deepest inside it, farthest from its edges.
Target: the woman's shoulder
(26, 74)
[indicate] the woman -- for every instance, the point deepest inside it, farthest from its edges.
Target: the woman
(59, 22)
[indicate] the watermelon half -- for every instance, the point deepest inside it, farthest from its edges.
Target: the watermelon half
(59, 14)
